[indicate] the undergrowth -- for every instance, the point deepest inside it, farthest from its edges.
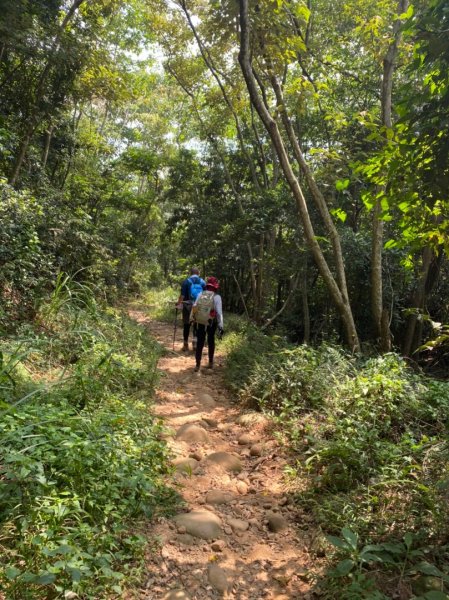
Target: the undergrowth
(161, 303)
(370, 439)
(82, 458)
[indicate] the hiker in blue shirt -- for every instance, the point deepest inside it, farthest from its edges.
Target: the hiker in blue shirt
(190, 289)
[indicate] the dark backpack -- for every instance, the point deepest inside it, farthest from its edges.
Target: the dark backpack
(196, 287)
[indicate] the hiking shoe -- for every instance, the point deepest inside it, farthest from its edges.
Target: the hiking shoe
(185, 347)
(210, 365)
(196, 369)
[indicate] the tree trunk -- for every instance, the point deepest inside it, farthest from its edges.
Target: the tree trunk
(430, 269)
(417, 303)
(305, 304)
(337, 290)
(48, 136)
(380, 314)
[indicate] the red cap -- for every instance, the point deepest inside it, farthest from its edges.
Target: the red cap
(213, 283)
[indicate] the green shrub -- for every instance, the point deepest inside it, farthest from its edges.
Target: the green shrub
(83, 458)
(161, 304)
(370, 438)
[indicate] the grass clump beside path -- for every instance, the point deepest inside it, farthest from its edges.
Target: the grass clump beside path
(82, 462)
(370, 445)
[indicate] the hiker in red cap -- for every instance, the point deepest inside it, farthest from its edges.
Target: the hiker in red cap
(208, 315)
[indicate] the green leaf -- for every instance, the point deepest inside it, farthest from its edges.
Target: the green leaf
(429, 569)
(344, 567)
(390, 244)
(11, 573)
(46, 578)
(351, 537)
(369, 557)
(407, 14)
(341, 184)
(75, 574)
(435, 595)
(340, 214)
(337, 542)
(408, 540)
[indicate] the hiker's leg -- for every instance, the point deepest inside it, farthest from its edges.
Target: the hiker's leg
(194, 335)
(186, 308)
(211, 329)
(201, 336)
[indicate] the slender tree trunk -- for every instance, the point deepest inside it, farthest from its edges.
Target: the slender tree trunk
(241, 297)
(305, 303)
(380, 313)
(417, 303)
(428, 277)
(339, 295)
(293, 287)
(48, 136)
(260, 278)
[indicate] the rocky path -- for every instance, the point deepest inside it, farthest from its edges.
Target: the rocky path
(239, 537)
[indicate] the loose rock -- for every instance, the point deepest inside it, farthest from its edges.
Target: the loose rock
(218, 545)
(276, 523)
(256, 450)
(242, 487)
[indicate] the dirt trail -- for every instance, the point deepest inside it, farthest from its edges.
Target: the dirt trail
(239, 537)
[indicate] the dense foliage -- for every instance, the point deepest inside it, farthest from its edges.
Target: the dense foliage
(369, 456)
(82, 457)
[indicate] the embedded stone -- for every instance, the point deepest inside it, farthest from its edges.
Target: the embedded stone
(217, 578)
(186, 465)
(219, 497)
(190, 432)
(202, 524)
(245, 439)
(238, 524)
(225, 460)
(206, 400)
(176, 595)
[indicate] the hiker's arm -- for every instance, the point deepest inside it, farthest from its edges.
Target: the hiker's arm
(218, 307)
(184, 295)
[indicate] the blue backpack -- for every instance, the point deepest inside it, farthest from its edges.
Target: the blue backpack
(196, 287)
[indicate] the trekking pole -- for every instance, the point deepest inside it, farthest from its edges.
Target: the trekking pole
(175, 326)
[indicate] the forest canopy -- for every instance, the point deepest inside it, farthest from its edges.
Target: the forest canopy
(297, 150)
